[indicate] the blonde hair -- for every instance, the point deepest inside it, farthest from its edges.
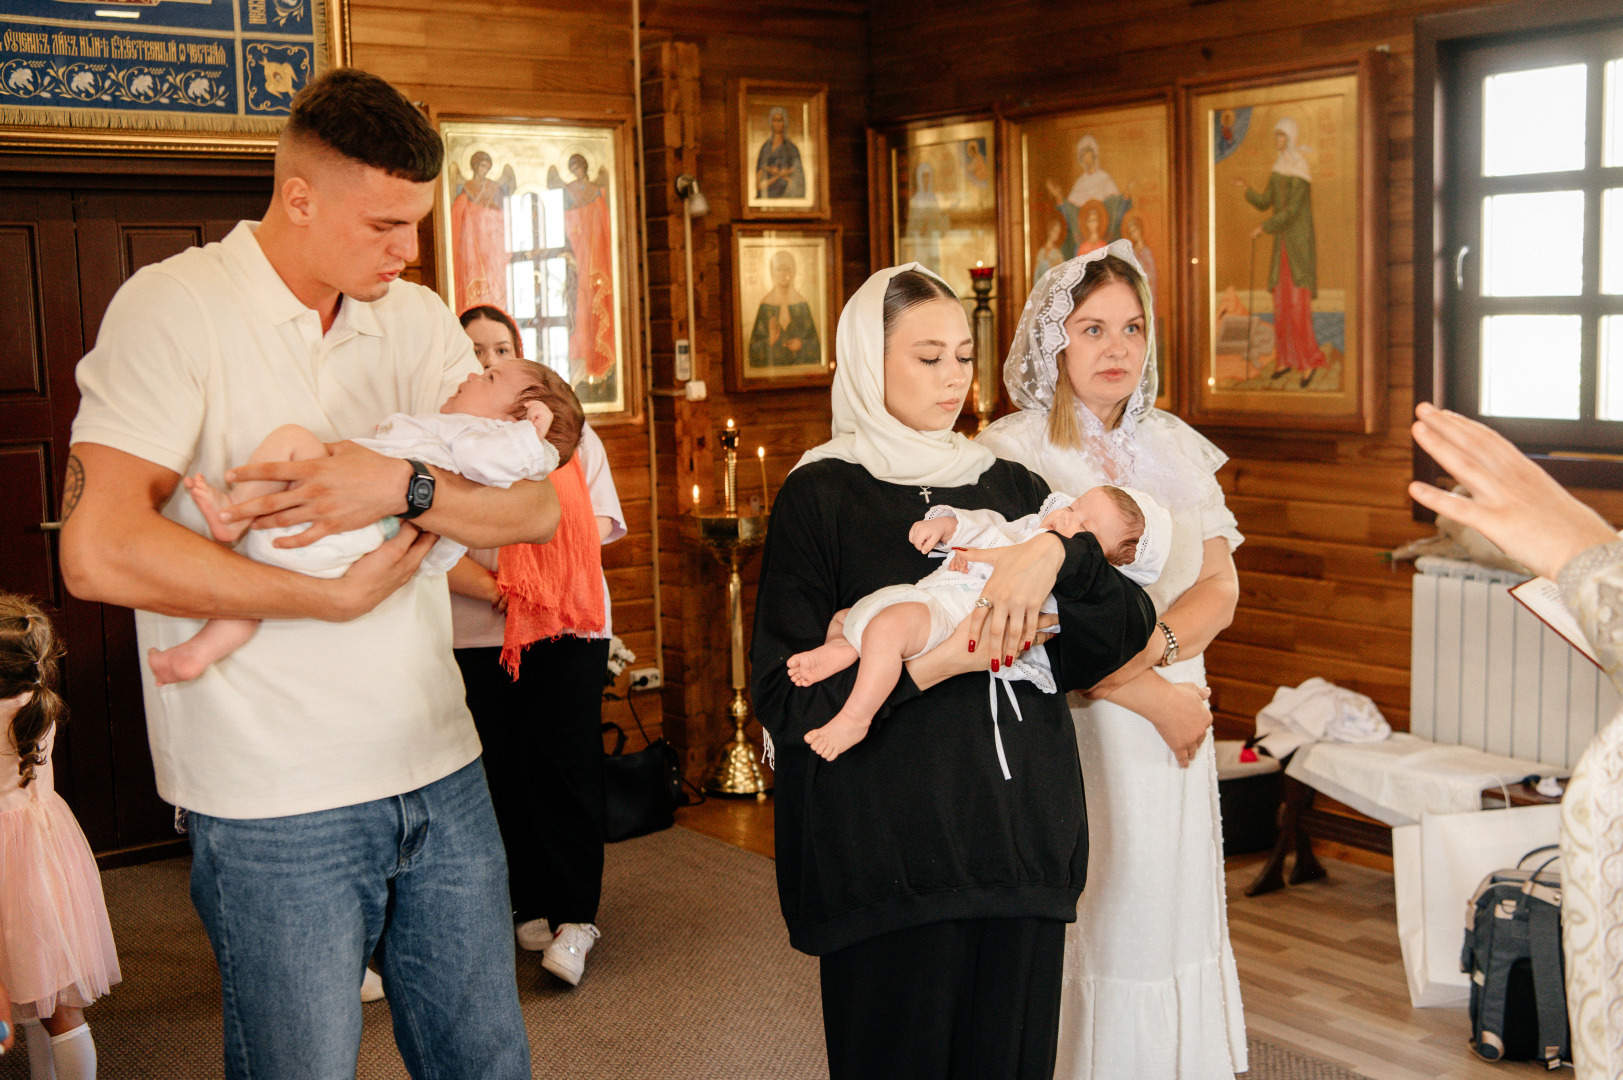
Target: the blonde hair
(1064, 430)
(29, 653)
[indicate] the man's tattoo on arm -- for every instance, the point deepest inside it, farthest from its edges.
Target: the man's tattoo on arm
(73, 486)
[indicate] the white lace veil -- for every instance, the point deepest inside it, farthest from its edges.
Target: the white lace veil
(1032, 368)
(1141, 451)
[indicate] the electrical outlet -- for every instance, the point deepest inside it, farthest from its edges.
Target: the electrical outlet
(646, 678)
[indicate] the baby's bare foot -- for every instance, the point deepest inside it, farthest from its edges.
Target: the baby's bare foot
(815, 665)
(175, 665)
(211, 501)
(837, 736)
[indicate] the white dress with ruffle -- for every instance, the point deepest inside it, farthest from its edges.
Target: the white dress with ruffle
(56, 946)
(1150, 988)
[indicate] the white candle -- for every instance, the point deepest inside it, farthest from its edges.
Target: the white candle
(695, 496)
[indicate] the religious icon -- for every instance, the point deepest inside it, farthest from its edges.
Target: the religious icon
(785, 333)
(786, 294)
(479, 232)
(944, 204)
(532, 225)
(1094, 206)
(778, 171)
(589, 279)
(782, 139)
(1292, 276)
(1091, 177)
(1283, 334)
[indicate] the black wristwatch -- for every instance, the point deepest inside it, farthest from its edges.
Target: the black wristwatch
(419, 490)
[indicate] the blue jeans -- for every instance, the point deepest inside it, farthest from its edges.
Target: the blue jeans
(294, 906)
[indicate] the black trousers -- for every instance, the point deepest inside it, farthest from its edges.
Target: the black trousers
(544, 761)
(974, 999)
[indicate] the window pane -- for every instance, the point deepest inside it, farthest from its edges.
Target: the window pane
(521, 289)
(1611, 241)
(1530, 365)
(1610, 403)
(1533, 244)
(1533, 121)
(1612, 118)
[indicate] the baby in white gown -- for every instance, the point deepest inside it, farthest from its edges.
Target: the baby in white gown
(513, 421)
(900, 622)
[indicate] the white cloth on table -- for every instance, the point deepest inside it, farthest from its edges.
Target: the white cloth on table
(1318, 709)
(1398, 780)
(496, 453)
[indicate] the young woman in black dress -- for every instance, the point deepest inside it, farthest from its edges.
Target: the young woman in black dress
(934, 891)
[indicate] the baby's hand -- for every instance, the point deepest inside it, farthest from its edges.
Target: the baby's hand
(538, 414)
(925, 535)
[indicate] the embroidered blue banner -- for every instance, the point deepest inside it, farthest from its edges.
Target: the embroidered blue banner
(177, 65)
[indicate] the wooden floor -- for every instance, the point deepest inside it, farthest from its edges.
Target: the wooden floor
(1320, 970)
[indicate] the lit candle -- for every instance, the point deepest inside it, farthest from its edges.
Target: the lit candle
(695, 496)
(760, 456)
(729, 423)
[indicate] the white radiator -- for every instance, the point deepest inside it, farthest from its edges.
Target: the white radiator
(1486, 673)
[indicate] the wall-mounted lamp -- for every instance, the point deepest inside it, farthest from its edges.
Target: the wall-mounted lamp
(687, 189)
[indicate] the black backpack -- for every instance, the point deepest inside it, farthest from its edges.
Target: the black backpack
(1513, 955)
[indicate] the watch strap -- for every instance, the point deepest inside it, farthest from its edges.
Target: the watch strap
(419, 473)
(1169, 657)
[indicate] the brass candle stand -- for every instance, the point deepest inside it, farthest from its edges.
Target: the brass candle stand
(986, 359)
(732, 537)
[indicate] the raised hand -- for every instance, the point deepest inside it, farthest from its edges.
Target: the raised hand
(1512, 501)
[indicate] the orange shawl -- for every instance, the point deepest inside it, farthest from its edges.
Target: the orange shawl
(557, 588)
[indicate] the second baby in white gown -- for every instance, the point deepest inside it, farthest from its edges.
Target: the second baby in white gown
(890, 626)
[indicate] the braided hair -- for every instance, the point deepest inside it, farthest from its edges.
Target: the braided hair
(29, 655)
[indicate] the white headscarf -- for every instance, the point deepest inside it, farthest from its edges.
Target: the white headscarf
(1291, 161)
(1141, 452)
(865, 433)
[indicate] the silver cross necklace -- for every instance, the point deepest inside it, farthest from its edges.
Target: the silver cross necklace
(925, 492)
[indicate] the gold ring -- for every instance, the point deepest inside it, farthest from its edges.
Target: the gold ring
(982, 602)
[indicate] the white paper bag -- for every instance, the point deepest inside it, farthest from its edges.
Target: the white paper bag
(1437, 866)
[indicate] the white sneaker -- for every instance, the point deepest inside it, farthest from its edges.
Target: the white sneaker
(566, 956)
(371, 986)
(533, 936)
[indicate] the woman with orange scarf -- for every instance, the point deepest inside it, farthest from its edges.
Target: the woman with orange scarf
(531, 632)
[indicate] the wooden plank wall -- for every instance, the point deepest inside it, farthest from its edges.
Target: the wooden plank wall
(548, 57)
(1319, 511)
(534, 58)
(805, 41)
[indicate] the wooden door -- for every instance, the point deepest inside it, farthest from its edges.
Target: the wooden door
(63, 254)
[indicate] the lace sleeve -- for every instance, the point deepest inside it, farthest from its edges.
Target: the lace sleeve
(1592, 586)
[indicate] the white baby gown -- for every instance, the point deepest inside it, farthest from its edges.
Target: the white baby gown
(496, 453)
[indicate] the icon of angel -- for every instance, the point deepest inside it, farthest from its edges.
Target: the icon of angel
(479, 231)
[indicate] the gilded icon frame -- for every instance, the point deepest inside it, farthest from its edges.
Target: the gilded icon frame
(1249, 362)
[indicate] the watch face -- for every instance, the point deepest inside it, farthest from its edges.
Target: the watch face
(421, 493)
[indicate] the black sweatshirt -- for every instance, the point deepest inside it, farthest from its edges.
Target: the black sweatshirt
(915, 824)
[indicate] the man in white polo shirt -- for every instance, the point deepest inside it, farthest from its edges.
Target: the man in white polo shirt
(330, 766)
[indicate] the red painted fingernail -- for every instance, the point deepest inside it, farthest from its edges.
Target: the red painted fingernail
(958, 549)
(1026, 646)
(1007, 660)
(994, 665)
(971, 644)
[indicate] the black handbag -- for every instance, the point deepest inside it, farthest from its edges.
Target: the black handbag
(641, 791)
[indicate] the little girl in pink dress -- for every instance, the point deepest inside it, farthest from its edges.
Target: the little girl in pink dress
(56, 946)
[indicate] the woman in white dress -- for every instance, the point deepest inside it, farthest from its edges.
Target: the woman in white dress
(1150, 987)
